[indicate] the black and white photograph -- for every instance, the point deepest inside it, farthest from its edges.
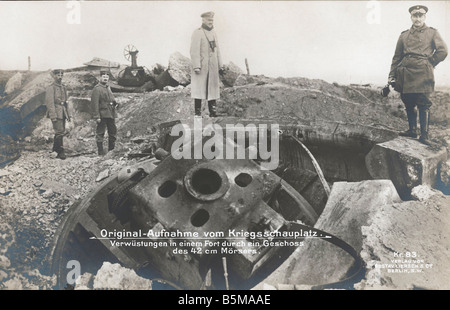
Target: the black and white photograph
(232, 146)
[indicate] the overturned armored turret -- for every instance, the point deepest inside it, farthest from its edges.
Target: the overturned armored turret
(195, 222)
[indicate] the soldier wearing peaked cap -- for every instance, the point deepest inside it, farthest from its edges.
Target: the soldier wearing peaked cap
(418, 51)
(206, 64)
(56, 102)
(207, 15)
(104, 112)
(418, 9)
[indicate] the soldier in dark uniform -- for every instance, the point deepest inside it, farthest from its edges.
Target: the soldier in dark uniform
(418, 51)
(104, 112)
(56, 102)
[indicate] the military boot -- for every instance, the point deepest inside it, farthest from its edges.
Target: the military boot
(111, 145)
(424, 117)
(61, 154)
(411, 132)
(58, 147)
(55, 145)
(101, 152)
(212, 108)
(412, 121)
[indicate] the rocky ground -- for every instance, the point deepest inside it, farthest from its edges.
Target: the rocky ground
(37, 189)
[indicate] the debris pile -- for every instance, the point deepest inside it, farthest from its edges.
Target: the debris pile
(36, 190)
(111, 277)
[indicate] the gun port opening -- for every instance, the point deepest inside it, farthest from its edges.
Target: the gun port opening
(206, 181)
(199, 218)
(243, 179)
(167, 189)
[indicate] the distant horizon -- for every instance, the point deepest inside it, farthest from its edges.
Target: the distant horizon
(344, 42)
(438, 87)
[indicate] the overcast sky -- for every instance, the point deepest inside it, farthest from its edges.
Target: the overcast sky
(336, 41)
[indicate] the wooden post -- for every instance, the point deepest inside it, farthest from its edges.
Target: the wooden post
(29, 63)
(246, 65)
(224, 263)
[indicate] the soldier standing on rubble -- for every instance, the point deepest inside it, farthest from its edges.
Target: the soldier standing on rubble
(206, 64)
(419, 49)
(104, 112)
(56, 102)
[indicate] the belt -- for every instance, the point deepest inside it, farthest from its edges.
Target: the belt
(415, 56)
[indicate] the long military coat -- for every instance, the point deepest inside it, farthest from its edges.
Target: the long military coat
(101, 99)
(205, 85)
(417, 52)
(55, 97)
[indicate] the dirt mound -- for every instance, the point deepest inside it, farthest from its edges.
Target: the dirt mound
(259, 96)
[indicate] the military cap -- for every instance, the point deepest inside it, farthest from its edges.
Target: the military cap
(207, 14)
(418, 9)
(56, 71)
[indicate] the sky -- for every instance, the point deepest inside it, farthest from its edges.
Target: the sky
(336, 41)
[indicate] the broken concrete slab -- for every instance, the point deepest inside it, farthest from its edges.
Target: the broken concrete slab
(180, 68)
(20, 114)
(14, 83)
(443, 181)
(114, 276)
(102, 175)
(49, 186)
(407, 162)
(423, 192)
(104, 63)
(230, 74)
(407, 245)
(349, 207)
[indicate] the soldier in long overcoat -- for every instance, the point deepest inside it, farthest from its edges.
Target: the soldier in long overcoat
(206, 63)
(418, 51)
(56, 102)
(104, 112)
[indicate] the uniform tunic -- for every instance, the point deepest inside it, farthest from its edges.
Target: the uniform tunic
(55, 97)
(101, 99)
(417, 52)
(206, 84)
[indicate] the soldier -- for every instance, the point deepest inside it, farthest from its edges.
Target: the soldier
(104, 112)
(418, 51)
(56, 102)
(206, 62)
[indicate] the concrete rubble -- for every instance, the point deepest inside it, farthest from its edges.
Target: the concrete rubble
(102, 63)
(37, 190)
(404, 243)
(231, 72)
(349, 207)
(14, 83)
(112, 277)
(407, 245)
(407, 162)
(180, 68)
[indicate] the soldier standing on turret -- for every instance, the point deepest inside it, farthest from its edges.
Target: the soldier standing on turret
(418, 51)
